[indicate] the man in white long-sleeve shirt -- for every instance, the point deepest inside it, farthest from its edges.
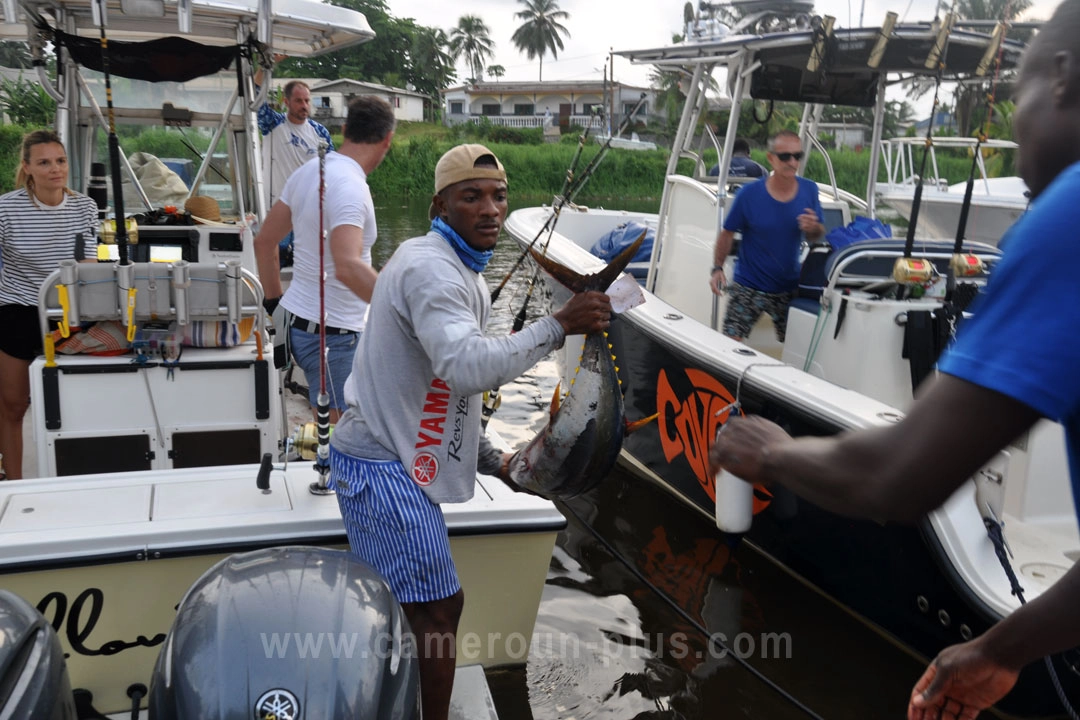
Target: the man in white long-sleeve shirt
(411, 438)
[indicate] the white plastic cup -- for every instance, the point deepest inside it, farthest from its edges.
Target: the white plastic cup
(734, 503)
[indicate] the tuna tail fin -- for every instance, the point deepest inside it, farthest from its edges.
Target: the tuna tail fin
(597, 281)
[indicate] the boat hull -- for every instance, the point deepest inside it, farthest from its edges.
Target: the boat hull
(110, 583)
(899, 578)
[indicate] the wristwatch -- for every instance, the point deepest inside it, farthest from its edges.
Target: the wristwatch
(715, 268)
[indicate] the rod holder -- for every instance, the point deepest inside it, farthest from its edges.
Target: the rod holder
(69, 278)
(181, 281)
(233, 288)
(125, 283)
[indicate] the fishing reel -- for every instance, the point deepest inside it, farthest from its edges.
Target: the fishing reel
(304, 445)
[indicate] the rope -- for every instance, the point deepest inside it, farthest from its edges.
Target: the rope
(997, 538)
(815, 336)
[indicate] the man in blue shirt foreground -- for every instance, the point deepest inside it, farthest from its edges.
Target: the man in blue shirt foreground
(772, 216)
(992, 387)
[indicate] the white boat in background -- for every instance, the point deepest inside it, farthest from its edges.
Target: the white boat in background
(147, 462)
(857, 343)
(996, 202)
(630, 143)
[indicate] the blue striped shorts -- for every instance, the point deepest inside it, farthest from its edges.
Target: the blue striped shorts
(393, 527)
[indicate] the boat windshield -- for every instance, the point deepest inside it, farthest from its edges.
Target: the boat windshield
(209, 94)
(165, 130)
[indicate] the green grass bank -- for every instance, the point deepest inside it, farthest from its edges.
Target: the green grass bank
(535, 169)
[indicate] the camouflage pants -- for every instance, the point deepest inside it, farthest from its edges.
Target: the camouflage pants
(745, 306)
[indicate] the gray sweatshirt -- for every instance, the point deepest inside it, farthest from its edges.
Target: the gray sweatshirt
(423, 362)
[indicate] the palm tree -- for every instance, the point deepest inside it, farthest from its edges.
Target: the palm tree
(14, 54)
(541, 31)
(432, 65)
(496, 71)
(472, 39)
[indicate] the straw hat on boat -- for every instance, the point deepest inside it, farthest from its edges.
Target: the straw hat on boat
(203, 207)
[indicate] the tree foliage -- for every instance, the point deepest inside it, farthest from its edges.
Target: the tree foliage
(14, 54)
(403, 53)
(26, 102)
(471, 40)
(542, 30)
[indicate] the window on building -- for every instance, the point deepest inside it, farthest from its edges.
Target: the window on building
(457, 108)
(491, 110)
(587, 108)
(628, 108)
(324, 102)
(524, 109)
(397, 101)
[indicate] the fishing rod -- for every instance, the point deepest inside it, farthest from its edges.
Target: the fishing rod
(568, 182)
(492, 397)
(998, 37)
(114, 149)
(125, 271)
(194, 150)
(961, 264)
(322, 410)
(571, 188)
(596, 159)
(906, 269)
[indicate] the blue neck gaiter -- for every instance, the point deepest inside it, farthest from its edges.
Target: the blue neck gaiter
(473, 258)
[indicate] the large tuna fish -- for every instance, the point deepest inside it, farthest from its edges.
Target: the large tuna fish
(582, 439)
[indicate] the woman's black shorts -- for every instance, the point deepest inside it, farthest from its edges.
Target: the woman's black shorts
(20, 333)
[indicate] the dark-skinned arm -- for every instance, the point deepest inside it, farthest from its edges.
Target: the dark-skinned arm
(891, 473)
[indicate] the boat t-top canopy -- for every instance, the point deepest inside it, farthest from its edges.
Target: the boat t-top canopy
(188, 63)
(841, 66)
(298, 28)
(803, 59)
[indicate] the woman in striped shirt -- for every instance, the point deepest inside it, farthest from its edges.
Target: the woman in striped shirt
(41, 223)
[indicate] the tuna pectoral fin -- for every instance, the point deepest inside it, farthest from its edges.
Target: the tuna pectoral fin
(598, 280)
(556, 400)
(638, 424)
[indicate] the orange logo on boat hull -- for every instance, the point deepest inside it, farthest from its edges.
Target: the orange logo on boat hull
(688, 425)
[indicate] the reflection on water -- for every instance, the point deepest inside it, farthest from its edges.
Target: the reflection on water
(648, 611)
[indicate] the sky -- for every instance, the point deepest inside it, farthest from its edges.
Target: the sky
(598, 26)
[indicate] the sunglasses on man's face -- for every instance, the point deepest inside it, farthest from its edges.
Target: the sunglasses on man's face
(786, 157)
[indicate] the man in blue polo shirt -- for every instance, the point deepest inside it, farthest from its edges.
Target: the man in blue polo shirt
(773, 216)
(741, 164)
(1014, 362)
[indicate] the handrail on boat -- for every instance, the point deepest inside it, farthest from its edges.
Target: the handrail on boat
(178, 281)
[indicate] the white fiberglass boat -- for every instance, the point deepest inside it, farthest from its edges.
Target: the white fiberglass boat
(857, 343)
(147, 461)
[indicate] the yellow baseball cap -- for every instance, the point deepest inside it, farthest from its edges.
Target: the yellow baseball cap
(459, 163)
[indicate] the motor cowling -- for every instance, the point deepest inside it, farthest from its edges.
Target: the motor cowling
(34, 682)
(288, 633)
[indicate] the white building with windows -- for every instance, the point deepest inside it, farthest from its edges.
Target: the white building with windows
(556, 102)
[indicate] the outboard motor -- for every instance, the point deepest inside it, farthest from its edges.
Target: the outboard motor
(288, 633)
(34, 682)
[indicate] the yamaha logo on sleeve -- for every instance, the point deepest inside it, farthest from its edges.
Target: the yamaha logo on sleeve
(277, 704)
